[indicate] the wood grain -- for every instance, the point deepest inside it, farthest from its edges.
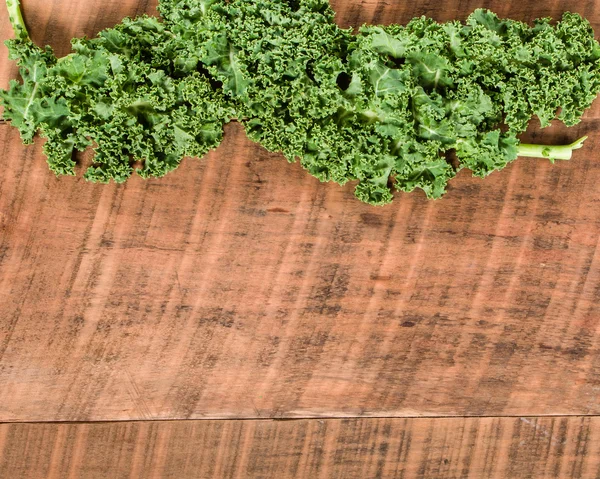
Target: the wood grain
(239, 286)
(346, 449)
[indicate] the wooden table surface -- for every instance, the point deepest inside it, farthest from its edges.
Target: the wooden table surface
(238, 318)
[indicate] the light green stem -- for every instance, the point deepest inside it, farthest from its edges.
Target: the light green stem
(551, 152)
(16, 19)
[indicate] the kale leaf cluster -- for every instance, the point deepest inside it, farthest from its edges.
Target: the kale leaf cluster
(390, 107)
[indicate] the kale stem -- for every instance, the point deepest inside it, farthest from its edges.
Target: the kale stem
(552, 152)
(16, 19)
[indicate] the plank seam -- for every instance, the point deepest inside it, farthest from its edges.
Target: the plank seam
(302, 418)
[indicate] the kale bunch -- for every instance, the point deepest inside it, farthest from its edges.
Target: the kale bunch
(120, 93)
(394, 107)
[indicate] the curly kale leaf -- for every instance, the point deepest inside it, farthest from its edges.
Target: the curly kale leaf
(120, 93)
(31, 103)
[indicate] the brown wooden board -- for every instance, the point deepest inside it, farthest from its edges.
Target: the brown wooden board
(476, 448)
(240, 286)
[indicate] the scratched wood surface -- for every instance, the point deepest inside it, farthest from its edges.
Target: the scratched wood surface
(456, 448)
(239, 286)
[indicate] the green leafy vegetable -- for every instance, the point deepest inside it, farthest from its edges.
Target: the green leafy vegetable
(386, 108)
(119, 93)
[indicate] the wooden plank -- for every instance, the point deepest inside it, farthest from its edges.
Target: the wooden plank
(496, 448)
(239, 286)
